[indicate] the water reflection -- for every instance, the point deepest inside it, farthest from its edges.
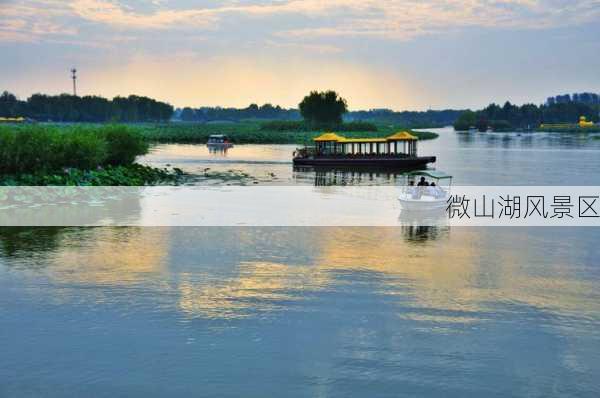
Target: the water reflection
(24, 242)
(218, 150)
(115, 255)
(423, 226)
(357, 301)
(268, 267)
(327, 176)
(258, 288)
(423, 233)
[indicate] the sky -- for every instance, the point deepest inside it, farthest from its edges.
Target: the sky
(398, 54)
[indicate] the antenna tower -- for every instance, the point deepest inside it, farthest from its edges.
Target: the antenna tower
(74, 77)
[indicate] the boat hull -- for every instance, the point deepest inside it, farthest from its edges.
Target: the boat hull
(422, 206)
(425, 202)
(387, 163)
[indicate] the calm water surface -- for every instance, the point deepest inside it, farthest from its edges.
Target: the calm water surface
(305, 312)
(472, 158)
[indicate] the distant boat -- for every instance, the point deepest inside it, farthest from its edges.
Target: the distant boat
(398, 151)
(219, 141)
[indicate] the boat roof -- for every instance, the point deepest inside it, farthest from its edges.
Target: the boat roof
(402, 136)
(328, 137)
(333, 137)
(217, 136)
(350, 140)
(439, 175)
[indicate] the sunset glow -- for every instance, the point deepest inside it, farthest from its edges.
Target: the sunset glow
(396, 54)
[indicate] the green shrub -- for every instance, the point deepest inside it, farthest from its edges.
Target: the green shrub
(28, 149)
(78, 148)
(123, 144)
(36, 148)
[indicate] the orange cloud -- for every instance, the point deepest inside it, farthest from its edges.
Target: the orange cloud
(189, 80)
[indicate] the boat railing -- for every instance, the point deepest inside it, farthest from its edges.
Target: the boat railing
(418, 192)
(306, 152)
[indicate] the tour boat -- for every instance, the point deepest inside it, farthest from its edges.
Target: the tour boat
(219, 141)
(398, 151)
(416, 197)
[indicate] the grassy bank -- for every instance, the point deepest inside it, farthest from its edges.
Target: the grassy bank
(75, 155)
(252, 133)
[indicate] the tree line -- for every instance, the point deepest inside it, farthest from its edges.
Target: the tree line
(253, 111)
(430, 118)
(71, 108)
(584, 98)
(317, 109)
(527, 116)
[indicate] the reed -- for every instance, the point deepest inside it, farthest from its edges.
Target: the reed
(39, 148)
(257, 133)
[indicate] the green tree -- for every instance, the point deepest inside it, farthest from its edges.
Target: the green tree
(323, 108)
(9, 105)
(482, 124)
(465, 121)
(188, 114)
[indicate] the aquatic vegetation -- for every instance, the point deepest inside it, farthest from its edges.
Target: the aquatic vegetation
(40, 148)
(124, 175)
(257, 133)
(123, 144)
(237, 177)
(285, 125)
(77, 155)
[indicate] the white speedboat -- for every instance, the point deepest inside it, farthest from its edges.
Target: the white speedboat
(416, 196)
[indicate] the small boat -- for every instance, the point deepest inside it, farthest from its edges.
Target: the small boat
(219, 141)
(426, 197)
(398, 151)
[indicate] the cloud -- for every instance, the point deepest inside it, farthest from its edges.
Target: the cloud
(392, 19)
(361, 17)
(113, 13)
(409, 19)
(31, 21)
(308, 47)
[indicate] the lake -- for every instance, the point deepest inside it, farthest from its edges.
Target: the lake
(472, 158)
(307, 311)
